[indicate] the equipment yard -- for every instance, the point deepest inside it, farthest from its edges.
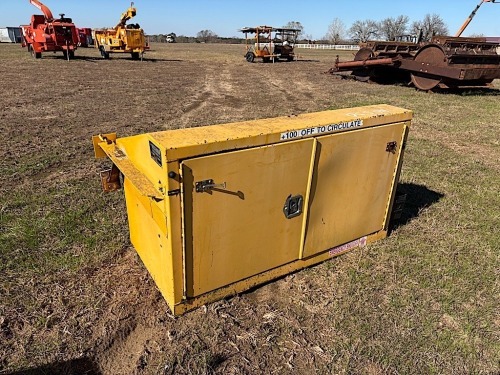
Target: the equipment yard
(76, 298)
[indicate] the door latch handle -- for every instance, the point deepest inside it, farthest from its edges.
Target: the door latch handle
(206, 185)
(293, 206)
(391, 147)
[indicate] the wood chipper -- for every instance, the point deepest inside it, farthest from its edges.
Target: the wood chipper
(269, 43)
(122, 38)
(214, 211)
(445, 61)
(47, 34)
(85, 37)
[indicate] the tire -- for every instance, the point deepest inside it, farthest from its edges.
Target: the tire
(68, 55)
(289, 58)
(33, 53)
(135, 55)
(104, 54)
(266, 59)
(250, 57)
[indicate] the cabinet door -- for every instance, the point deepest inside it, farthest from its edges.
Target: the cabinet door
(351, 186)
(234, 219)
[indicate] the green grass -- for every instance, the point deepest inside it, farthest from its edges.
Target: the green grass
(66, 232)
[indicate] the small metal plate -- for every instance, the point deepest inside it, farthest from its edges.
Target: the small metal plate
(155, 153)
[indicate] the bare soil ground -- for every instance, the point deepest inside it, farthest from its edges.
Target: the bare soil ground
(76, 299)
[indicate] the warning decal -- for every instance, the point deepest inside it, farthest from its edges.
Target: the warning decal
(320, 129)
(361, 242)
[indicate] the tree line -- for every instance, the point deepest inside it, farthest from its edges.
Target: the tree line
(203, 36)
(389, 29)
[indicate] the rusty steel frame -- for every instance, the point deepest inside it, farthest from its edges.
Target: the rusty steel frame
(448, 61)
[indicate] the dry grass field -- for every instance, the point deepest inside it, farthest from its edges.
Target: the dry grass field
(76, 299)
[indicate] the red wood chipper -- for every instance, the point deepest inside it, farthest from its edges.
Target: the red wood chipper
(47, 34)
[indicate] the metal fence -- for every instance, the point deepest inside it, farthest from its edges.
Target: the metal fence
(345, 47)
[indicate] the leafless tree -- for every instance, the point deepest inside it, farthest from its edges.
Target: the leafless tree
(364, 30)
(296, 25)
(431, 25)
(390, 28)
(206, 35)
(307, 37)
(336, 31)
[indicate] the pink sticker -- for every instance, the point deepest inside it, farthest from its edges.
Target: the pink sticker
(361, 242)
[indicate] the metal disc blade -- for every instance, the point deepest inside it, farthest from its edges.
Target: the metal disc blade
(362, 75)
(364, 53)
(430, 56)
(424, 83)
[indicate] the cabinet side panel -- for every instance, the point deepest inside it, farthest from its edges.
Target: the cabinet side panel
(150, 239)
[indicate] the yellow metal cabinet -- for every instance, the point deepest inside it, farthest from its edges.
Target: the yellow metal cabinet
(216, 210)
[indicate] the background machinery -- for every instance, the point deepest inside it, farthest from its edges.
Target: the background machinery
(85, 37)
(471, 16)
(47, 34)
(445, 62)
(122, 38)
(270, 43)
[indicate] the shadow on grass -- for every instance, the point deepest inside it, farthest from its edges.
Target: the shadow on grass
(469, 91)
(58, 56)
(123, 58)
(305, 60)
(81, 366)
(161, 60)
(418, 197)
(99, 58)
(399, 80)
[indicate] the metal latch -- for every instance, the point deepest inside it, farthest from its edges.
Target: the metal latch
(110, 179)
(293, 206)
(206, 185)
(391, 147)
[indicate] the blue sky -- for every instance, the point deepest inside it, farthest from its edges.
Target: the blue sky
(224, 17)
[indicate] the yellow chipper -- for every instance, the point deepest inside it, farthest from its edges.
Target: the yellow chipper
(122, 38)
(216, 210)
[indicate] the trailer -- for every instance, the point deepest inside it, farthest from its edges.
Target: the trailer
(85, 37)
(269, 43)
(10, 35)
